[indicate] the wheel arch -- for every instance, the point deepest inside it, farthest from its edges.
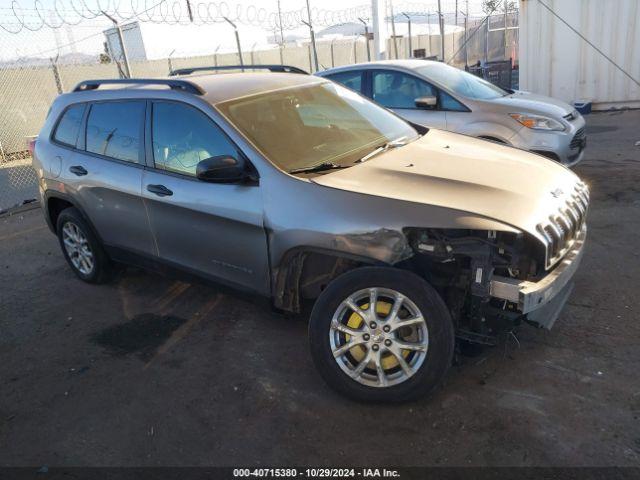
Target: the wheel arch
(55, 202)
(304, 272)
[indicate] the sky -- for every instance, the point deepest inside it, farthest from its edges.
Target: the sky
(85, 35)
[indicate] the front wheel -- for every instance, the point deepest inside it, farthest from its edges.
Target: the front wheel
(381, 335)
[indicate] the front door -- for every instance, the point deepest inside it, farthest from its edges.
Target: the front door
(398, 91)
(211, 229)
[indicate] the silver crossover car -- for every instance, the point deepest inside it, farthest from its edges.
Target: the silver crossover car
(404, 241)
(436, 95)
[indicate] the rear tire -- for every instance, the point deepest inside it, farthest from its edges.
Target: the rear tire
(377, 368)
(81, 248)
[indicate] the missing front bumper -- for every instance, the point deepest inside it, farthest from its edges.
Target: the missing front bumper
(546, 297)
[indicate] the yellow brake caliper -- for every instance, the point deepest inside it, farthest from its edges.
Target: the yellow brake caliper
(358, 352)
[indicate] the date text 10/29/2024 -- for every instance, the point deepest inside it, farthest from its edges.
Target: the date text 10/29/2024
(315, 473)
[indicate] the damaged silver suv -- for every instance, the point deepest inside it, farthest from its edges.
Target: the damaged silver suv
(405, 240)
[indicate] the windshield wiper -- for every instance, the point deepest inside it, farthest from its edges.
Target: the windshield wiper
(398, 142)
(321, 167)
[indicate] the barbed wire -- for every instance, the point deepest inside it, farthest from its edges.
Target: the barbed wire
(17, 18)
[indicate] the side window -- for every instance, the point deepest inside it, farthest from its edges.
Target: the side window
(183, 136)
(399, 90)
(352, 80)
(69, 126)
(447, 102)
(114, 129)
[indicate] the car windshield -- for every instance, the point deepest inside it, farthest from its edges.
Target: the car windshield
(317, 124)
(461, 82)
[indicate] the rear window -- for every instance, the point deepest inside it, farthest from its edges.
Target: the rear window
(114, 129)
(69, 125)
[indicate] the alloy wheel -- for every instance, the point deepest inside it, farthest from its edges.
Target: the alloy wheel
(378, 337)
(77, 247)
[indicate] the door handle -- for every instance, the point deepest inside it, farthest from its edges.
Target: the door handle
(78, 170)
(159, 190)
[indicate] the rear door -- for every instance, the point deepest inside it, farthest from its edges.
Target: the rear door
(104, 173)
(211, 229)
(352, 79)
(398, 91)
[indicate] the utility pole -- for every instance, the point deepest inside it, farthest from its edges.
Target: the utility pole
(441, 22)
(379, 30)
(313, 36)
(409, 27)
(125, 58)
(366, 36)
(235, 31)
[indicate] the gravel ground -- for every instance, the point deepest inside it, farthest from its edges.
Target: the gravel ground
(152, 371)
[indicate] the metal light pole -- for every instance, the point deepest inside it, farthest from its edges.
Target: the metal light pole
(235, 30)
(366, 36)
(410, 44)
(125, 58)
(313, 36)
(441, 22)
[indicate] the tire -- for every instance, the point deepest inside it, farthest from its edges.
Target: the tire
(401, 386)
(72, 227)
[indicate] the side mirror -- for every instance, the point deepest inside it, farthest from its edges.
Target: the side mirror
(221, 169)
(426, 102)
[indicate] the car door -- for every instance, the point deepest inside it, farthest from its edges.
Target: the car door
(398, 91)
(351, 79)
(104, 173)
(212, 229)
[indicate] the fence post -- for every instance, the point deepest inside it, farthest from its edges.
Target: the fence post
(355, 50)
(313, 36)
(505, 29)
(235, 31)
(253, 48)
(333, 62)
(56, 73)
(123, 49)
(169, 61)
(409, 26)
(486, 39)
(215, 56)
(393, 30)
(441, 23)
(366, 36)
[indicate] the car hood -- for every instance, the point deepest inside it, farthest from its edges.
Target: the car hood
(466, 174)
(519, 101)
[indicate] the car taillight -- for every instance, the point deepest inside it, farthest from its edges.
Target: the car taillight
(31, 145)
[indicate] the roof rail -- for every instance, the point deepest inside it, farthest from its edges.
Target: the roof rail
(182, 85)
(271, 68)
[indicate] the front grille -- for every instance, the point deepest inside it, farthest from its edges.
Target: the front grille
(563, 226)
(577, 139)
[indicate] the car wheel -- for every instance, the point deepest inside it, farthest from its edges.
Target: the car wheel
(381, 335)
(81, 248)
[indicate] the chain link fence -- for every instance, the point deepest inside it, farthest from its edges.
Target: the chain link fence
(30, 80)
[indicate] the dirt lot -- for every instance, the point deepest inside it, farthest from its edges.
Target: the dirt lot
(151, 371)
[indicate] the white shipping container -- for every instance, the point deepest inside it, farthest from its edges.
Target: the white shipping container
(555, 61)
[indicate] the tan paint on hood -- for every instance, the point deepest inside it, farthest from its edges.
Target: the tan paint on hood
(463, 173)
